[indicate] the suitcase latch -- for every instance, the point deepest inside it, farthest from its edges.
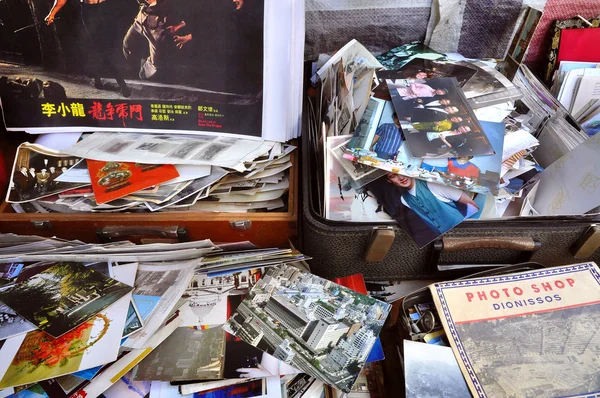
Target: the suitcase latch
(241, 225)
(42, 224)
(382, 239)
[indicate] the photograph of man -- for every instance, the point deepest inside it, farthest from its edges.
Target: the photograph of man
(440, 207)
(96, 16)
(387, 139)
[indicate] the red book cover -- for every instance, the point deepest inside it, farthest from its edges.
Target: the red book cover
(578, 45)
(114, 180)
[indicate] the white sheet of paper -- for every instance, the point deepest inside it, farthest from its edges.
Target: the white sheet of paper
(58, 141)
(571, 185)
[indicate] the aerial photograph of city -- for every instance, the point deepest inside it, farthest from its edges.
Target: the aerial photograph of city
(317, 326)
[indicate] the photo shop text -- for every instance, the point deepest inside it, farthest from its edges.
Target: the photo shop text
(493, 294)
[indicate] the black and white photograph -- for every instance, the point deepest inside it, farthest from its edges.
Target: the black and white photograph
(432, 371)
(436, 119)
(35, 173)
(187, 355)
(12, 324)
(310, 323)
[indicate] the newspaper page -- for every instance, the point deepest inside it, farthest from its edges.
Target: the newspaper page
(170, 149)
(529, 334)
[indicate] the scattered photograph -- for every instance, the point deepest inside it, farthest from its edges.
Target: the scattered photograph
(420, 70)
(12, 324)
(35, 173)
(436, 119)
(310, 323)
(38, 356)
(347, 199)
(208, 297)
(114, 180)
(432, 371)
(63, 296)
(186, 355)
(384, 148)
(425, 210)
(397, 57)
(134, 321)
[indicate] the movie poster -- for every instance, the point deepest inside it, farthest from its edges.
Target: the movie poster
(126, 64)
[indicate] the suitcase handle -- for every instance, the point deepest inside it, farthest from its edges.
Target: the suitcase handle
(145, 234)
(455, 244)
(525, 245)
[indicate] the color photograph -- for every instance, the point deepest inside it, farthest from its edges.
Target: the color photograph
(63, 296)
(423, 209)
(310, 323)
(436, 119)
(385, 148)
(108, 63)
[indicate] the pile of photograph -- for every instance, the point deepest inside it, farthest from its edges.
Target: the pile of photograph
(191, 319)
(429, 140)
(112, 172)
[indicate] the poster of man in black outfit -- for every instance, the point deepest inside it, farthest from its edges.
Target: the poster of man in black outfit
(179, 61)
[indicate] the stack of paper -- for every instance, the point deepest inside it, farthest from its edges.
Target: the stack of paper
(135, 172)
(177, 319)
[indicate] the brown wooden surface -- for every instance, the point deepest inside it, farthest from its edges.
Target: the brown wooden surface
(268, 229)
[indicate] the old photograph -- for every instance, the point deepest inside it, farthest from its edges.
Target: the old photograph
(188, 354)
(12, 324)
(559, 359)
(35, 173)
(432, 371)
(436, 119)
(315, 325)
(63, 296)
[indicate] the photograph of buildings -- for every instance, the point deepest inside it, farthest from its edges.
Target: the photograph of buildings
(552, 354)
(313, 324)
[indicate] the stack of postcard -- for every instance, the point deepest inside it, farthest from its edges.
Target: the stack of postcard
(176, 320)
(112, 172)
(577, 87)
(431, 141)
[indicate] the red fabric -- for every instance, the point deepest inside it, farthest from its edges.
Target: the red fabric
(556, 10)
(575, 45)
(354, 282)
(469, 171)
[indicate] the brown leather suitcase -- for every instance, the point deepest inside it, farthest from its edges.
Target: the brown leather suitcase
(271, 229)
